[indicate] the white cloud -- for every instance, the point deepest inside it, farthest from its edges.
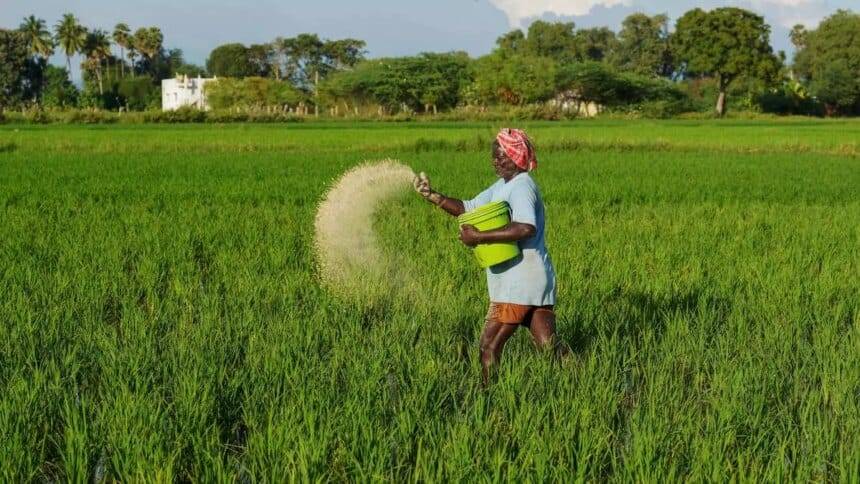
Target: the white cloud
(783, 3)
(787, 13)
(520, 10)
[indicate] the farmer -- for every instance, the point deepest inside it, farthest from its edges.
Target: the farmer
(522, 290)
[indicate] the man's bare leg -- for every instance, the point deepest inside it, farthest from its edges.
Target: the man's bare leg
(493, 340)
(542, 328)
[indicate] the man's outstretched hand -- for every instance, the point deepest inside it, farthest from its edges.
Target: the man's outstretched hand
(469, 235)
(421, 183)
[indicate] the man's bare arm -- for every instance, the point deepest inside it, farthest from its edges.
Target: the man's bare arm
(453, 206)
(512, 232)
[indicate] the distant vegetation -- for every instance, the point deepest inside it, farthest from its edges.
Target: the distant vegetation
(711, 61)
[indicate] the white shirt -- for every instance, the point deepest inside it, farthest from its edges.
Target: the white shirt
(528, 279)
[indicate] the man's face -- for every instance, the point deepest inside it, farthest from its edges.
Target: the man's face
(504, 166)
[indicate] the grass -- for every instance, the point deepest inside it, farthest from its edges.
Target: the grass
(162, 318)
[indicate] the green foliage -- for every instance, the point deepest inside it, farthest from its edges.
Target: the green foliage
(59, 92)
(559, 41)
(71, 36)
(14, 58)
(836, 85)
(90, 99)
(38, 37)
(662, 109)
(790, 98)
(37, 116)
(419, 82)
(596, 82)
(354, 86)
(555, 40)
(725, 43)
(261, 58)
(185, 114)
(513, 79)
(307, 58)
(595, 44)
(138, 93)
(828, 59)
(163, 319)
(643, 46)
(251, 116)
(149, 42)
(190, 70)
(230, 60)
(88, 116)
(251, 92)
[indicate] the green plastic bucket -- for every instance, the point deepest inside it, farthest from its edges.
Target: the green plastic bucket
(488, 217)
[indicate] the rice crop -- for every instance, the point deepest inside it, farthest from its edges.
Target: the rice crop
(165, 314)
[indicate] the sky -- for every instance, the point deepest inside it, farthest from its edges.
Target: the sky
(390, 27)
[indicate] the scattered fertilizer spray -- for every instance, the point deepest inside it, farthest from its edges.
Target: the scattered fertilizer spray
(348, 252)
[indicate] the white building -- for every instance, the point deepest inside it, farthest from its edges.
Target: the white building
(183, 91)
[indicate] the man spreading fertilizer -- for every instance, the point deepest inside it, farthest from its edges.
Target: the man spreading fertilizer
(522, 289)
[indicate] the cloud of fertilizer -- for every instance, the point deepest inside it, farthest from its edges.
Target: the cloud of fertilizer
(348, 252)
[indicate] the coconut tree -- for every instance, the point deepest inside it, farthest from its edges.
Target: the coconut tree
(38, 36)
(96, 49)
(122, 38)
(71, 36)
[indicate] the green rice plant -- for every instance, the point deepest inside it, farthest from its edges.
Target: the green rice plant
(164, 319)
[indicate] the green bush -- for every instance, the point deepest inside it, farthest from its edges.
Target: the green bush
(513, 79)
(37, 116)
(596, 82)
(185, 114)
(787, 101)
(663, 109)
(138, 92)
(86, 116)
(59, 92)
(421, 83)
(251, 92)
(261, 116)
(226, 116)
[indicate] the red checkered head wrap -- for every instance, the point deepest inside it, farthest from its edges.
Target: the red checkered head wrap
(518, 147)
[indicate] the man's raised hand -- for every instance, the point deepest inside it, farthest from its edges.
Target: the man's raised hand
(421, 183)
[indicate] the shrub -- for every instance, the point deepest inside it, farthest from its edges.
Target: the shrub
(185, 114)
(226, 116)
(251, 92)
(37, 116)
(273, 117)
(138, 92)
(663, 109)
(788, 100)
(86, 116)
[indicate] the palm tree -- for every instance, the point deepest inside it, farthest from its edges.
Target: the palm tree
(122, 38)
(97, 49)
(148, 42)
(71, 36)
(38, 36)
(131, 54)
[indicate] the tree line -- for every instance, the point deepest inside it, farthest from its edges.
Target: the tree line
(707, 60)
(122, 68)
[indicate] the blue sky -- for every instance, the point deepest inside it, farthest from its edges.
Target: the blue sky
(390, 27)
